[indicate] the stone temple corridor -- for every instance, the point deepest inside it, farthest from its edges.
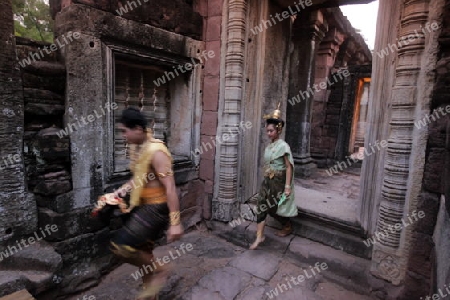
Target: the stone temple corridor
(368, 129)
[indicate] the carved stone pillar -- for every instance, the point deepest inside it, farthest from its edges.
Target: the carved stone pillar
(347, 51)
(18, 212)
(325, 59)
(362, 119)
(225, 200)
(308, 31)
(405, 155)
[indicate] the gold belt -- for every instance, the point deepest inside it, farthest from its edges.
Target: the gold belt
(156, 195)
(272, 173)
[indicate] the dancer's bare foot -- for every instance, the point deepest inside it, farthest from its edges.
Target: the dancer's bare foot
(259, 240)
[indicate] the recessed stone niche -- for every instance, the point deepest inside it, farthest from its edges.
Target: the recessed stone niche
(125, 62)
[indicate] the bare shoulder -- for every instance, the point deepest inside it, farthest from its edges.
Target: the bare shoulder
(161, 158)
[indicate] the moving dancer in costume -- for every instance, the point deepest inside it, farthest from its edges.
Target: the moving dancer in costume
(153, 201)
(276, 196)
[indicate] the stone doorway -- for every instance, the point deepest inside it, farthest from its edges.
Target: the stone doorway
(328, 198)
(337, 146)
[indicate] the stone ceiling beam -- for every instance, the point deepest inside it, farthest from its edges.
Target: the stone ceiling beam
(322, 3)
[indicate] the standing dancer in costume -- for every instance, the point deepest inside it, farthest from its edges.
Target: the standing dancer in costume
(278, 179)
(153, 201)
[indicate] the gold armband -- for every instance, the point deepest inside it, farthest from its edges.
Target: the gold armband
(175, 218)
(168, 173)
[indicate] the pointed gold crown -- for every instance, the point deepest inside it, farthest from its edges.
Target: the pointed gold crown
(275, 115)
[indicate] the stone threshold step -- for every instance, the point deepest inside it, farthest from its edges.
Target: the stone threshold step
(20, 295)
(344, 269)
(339, 235)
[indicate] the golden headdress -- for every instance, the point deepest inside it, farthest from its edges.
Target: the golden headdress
(276, 115)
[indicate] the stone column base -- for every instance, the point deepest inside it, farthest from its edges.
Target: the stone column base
(304, 167)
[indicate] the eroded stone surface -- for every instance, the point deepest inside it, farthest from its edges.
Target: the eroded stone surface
(257, 263)
(199, 274)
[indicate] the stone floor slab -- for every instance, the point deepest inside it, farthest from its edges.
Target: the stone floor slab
(199, 293)
(202, 274)
(228, 282)
(258, 263)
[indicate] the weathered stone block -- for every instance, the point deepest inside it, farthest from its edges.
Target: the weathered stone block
(212, 65)
(52, 187)
(70, 224)
(429, 204)
(209, 123)
(191, 216)
(332, 131)
(46, 68)
(37, 123)
(201, 7)
(213, 28)
(433, 173)
(60, 204)
(24, 47)
(209, 186)
(211, 93)
(84, 247)
(20, 218)
(52, 147)
(100, 4)
(32, 95)
(176, 16)
(437, 134)
(447, 168)
(419, 257)
(44, 109)
(194, 196)
(208, 147)
(87, 270)
(215, 7)
(207, 169)
(54, 84)
(207, 206)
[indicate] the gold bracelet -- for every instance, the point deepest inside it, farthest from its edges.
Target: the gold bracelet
(175, 218)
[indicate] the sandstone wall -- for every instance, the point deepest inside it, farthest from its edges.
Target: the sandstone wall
(59, 173)
(18, 215)
(176, 16)
(436, 183)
